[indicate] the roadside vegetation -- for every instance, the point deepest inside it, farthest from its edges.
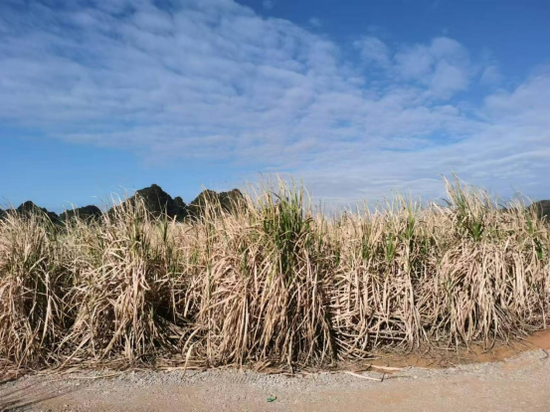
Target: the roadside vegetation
(270, 282)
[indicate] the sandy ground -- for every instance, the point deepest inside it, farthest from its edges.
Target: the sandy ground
(520, 382)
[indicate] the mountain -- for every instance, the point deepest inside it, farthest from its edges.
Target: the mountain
(181, 208)
(542, 208)
(29, 208)
(226, 200)
(231, 199)
(156, 200)
(159, 202)
(87, 213)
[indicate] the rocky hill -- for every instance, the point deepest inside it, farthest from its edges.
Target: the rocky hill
(542, 208)
(227, 201)
(157, 202)
(87, 213)
(28, 208)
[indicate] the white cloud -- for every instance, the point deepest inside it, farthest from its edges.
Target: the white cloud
(447, 79)
(527, 106)
(373, 50)
(212, 79)
(444, 65)
(491, 76)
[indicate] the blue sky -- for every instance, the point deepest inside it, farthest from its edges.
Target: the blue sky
(356, 98)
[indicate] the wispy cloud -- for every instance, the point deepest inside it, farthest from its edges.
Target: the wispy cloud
(443, 66)
(373, 50)
(315, 22)
(214, 80)
(268, 4)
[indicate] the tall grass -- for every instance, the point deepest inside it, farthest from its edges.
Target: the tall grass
(272, 282)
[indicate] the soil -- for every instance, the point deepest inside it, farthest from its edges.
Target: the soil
(434, 358)
(507, 378)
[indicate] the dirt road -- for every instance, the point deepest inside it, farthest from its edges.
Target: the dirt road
(519, 383)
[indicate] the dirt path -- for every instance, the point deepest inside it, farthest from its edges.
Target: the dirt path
(519, 383)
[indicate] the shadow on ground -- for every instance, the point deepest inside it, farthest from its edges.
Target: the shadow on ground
(21, 398)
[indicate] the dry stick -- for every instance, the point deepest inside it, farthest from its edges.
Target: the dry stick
(390, 368)
(365, 377)
(399, 368)
(188, 355)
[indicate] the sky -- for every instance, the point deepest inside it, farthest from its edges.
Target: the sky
(356, 99)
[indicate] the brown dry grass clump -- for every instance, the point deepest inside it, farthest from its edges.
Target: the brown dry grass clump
(271, 283)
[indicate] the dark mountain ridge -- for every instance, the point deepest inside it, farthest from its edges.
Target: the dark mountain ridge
(542, 208)
(159, 202)
(156, 200)
(29, 208)
(87, 213)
